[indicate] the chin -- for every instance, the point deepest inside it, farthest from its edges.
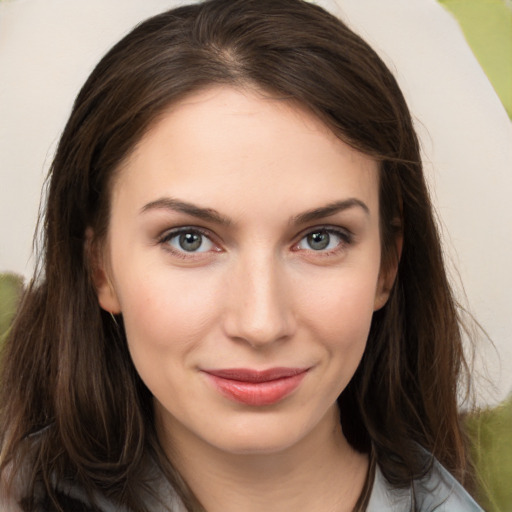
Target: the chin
(263, 445)
(259, 437)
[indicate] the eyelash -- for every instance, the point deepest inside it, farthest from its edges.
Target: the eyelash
(169, 235)
(346, 239)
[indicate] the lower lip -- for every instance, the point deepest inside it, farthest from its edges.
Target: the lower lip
(257, 393)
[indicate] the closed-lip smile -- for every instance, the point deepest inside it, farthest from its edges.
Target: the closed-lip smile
(256, 387)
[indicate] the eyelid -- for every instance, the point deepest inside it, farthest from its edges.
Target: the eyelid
(346, 235)
(169, 234)
(172, 232)
(330, 228)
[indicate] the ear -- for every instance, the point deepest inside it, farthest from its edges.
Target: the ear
(387, 275)
(105, 291)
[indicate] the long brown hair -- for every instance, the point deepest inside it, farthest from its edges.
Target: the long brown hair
(66, 365)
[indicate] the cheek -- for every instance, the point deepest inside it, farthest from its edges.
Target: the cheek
(338, 315)
(341, 304)
(166, 313)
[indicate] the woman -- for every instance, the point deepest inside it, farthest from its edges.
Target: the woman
(242, 303)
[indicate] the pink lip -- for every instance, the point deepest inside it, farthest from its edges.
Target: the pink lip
(254, 387)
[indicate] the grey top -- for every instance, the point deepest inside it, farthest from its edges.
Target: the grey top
(437, 492)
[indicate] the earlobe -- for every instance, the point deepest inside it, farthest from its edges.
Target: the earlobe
(380, 300)
(384, 287)
(107, 296)
(387, 276)
(105, 291)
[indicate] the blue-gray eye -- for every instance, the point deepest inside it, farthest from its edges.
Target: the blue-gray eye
(321, 240)
(190, 241)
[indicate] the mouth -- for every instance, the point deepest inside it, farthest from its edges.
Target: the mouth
(254, 387)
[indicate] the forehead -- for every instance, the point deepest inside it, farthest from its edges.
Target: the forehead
(225, 145)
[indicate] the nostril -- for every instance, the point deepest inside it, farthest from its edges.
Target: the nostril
(258, 307)
(259, 320)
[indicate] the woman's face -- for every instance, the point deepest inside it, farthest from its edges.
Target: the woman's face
(244, 255)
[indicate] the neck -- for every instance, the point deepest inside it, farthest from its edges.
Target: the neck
(322, 473)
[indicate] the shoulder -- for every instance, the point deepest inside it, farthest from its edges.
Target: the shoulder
(438, 491)
(72, 497)
(441, 492)
(69, 498)
(156, 492)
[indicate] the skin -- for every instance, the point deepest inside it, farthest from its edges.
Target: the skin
(255, 295)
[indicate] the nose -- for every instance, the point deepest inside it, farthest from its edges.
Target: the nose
(259, 310)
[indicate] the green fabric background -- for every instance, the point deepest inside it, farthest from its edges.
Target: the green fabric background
(487, 25)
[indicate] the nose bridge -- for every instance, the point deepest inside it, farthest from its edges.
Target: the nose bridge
(259, 309)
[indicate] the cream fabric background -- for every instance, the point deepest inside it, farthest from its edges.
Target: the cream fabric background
(48, 47)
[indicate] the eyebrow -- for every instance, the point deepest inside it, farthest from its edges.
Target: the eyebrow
(212, 215)
(206, 214)
(328, 210)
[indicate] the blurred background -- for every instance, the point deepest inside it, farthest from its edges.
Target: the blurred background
(453, 60)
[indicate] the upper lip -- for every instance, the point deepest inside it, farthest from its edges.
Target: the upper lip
(249, 375)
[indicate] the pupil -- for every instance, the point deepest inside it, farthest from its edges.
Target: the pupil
(190, 241)
(319, 240)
